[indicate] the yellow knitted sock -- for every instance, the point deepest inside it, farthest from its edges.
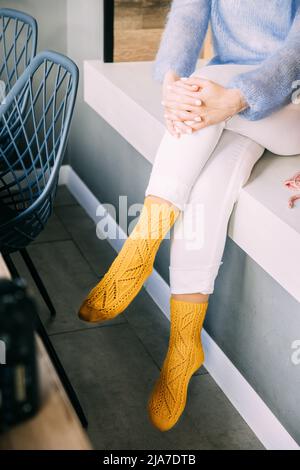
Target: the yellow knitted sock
(185, 355)
(132, 266)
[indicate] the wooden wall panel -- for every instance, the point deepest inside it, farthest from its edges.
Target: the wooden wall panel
(138, 28)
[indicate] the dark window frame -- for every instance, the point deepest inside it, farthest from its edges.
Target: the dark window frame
(108, 39)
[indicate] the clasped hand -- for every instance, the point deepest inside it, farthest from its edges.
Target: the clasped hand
(193, 103)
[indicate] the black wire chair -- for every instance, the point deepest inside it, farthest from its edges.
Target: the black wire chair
(30, 159)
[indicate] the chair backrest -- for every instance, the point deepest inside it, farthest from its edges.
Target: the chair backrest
(18, 43)
(31, 156)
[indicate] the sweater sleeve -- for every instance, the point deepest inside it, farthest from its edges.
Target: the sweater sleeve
(270, 86)
(186, 27)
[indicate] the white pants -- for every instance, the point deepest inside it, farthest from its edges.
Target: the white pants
(203, 173)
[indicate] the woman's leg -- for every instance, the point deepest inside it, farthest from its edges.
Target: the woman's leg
(177, 165)
(179, 162)
(196, 251)
(200, 234)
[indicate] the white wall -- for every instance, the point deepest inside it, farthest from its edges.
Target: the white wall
(51, 16)
(84, 41)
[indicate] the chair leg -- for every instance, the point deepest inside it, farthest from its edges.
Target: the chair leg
(38, 281)
(10, 266)
(61, 373)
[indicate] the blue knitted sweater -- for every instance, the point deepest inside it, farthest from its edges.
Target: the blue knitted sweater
(262, 32)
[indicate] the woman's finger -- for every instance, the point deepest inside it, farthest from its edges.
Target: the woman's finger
(184, 98)
(184, 82)
(183, 128)
(178, 92)
(181, 85)
(171, 128)
(197, 126)
(198, 81)
(195, 108)
(178, 115)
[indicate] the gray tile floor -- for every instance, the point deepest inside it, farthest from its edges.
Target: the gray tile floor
(113, 366)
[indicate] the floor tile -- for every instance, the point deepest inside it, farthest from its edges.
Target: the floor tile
(98, 253)
(214, 415)
(54, 231)
(67, 277)
(64, 197)
(113, 376)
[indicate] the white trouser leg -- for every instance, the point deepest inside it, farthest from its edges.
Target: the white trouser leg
(195, 260)
(178, 164)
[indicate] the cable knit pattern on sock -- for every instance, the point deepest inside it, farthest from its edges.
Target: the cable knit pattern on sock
(185, 355)
(132, 266)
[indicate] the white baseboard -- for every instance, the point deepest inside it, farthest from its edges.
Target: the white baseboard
(251, 407)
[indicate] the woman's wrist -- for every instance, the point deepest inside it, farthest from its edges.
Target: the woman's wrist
(171, 76)
(238, 100)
